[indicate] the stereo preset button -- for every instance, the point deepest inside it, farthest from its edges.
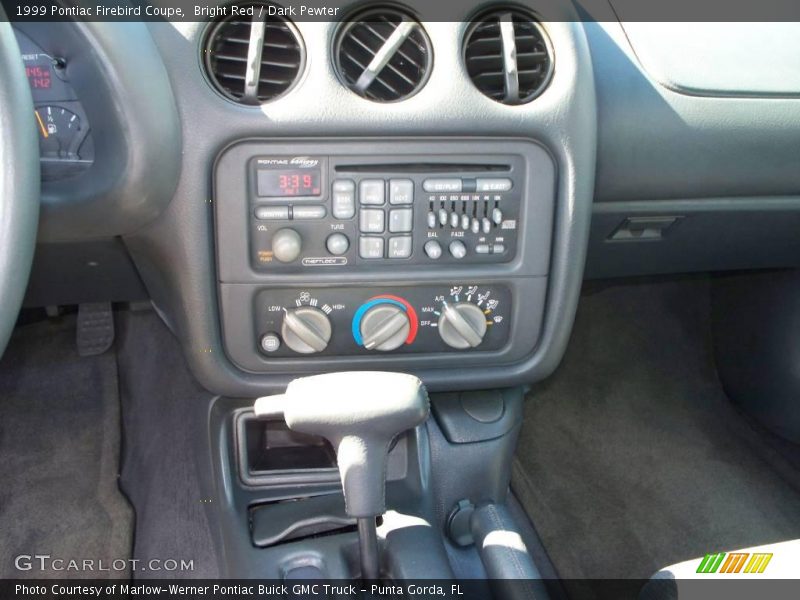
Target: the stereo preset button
(482, 249)
(433, 249)
(400, 220)
(458, 249)
(494, 184)
(400, 247)
(308, 213)
(344, 199)
(442, 185)
(272, 213)
(371, 220)
(371, 191)
(370, 247)
(401, 191)
(498, 249)
(337, 244)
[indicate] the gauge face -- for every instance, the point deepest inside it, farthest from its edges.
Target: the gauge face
(60, 132)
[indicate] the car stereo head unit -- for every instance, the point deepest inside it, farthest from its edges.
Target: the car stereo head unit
(346, 212)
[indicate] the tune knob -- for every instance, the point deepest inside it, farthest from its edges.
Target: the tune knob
(286, 245)
(384, 327)
(306, 330)
(462, 325)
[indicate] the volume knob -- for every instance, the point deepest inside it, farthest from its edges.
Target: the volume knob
(462, 325)
(306, 330)
(286, 245)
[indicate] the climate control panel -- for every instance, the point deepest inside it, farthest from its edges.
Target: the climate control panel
(355, 321)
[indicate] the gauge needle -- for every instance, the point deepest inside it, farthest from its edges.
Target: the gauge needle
(41, 125)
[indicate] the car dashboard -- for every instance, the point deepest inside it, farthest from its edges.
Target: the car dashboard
(389, 190)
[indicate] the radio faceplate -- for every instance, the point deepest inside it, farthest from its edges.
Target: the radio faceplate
(346, 212)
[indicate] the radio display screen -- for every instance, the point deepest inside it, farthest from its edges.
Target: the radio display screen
(281, 183)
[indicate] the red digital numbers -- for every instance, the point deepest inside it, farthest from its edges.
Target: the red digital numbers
(296, 184)
(289, 183)
(39, 77)
(279, 183)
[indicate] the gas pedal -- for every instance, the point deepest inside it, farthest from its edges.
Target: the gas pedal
(95, 332)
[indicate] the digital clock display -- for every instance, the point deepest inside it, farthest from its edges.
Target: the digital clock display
(39, 77)
(288, 182)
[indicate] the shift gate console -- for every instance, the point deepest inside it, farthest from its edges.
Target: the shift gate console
(414, 249)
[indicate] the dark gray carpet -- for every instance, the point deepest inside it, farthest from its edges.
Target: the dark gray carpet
(167, 461)
(59, 453)
(631, 458)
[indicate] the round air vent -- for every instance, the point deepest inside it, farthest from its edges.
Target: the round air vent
(508, 56)
(255, 58)
(383, 54)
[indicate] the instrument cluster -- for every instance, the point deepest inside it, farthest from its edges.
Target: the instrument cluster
(66, 147)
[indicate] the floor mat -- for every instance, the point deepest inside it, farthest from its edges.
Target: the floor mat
(167, 467)
(59, 454)
(631, 458)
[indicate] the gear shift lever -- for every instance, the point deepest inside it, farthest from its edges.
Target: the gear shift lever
(359, 413)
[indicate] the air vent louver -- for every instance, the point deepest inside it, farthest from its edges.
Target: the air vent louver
(508, 56)
(383, 54)
(253, 60)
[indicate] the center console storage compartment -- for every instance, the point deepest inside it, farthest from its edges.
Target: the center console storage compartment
(269, 452)
(299, 518)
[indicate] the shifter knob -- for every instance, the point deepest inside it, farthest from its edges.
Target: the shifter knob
(359, 413)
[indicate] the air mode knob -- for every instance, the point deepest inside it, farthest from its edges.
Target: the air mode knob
(286, 245)
(462, 325)
(384, 327)
(306, 330)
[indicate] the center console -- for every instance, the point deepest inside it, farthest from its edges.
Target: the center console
(410, 252)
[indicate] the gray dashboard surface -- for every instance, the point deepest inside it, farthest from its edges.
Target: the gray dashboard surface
(655, 143)
(720, 59)
(176, 255)
(726, 164)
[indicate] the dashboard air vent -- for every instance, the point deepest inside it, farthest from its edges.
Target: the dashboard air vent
(508, 56)
(251, 60)
(383, 54)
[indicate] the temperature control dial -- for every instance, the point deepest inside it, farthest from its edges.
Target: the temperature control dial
(306, 330)
(385, 323)
(384, 327)
(462, 325)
